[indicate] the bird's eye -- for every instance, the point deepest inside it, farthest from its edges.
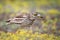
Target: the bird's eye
(35, 14)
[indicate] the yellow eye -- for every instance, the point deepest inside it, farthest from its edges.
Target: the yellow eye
(35, 14)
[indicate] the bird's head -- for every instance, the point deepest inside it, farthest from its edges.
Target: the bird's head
(39, 15)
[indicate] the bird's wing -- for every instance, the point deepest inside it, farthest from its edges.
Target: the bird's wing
(18, 20)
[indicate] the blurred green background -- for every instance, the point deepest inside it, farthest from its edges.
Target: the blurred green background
(49, 8)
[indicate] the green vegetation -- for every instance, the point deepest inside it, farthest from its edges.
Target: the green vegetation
(48, 8)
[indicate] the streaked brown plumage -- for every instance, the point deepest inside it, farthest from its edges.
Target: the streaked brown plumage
(25, 20)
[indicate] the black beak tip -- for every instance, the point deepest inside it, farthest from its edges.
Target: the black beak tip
(41, 17)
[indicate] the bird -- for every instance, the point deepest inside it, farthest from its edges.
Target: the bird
(25, 20)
